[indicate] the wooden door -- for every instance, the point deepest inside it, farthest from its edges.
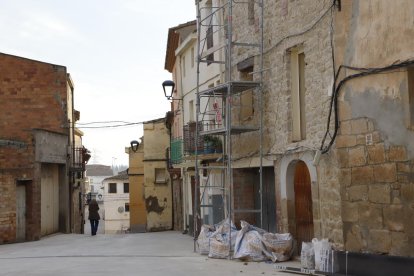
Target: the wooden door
(303, 204)
(20, 212)
(49, 199)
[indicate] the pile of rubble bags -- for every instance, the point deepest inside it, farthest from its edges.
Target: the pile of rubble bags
(318, 255)
(249, 244)
(214, 239)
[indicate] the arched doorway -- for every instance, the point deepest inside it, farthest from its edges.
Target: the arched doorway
(303, 204)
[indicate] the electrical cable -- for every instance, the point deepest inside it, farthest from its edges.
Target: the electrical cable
(362, 73)
(304, 31)
(110, 126)
(103, 122)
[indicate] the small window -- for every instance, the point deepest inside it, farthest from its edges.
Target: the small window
(191, 110)
(126, 188)
(112, 188)
(183, 65)
(411, 98)
(209, 32)
(246, 97)
(192, 57)
(298, 90)
(160, 175)
(126, 207)
(250, 11)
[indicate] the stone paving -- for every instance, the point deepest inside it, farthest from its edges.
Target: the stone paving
(161, 253)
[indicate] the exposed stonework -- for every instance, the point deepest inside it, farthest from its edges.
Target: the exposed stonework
(373, 130)
(367, 176)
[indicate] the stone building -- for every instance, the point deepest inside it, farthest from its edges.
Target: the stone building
(41, 170)
(353, 185)
(150, 183)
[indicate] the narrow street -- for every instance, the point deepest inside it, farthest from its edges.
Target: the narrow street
(159, 253)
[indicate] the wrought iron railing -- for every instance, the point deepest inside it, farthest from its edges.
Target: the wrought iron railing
(176, 154)
(80, 157)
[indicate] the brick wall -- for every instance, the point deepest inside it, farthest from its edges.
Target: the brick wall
(32, 95)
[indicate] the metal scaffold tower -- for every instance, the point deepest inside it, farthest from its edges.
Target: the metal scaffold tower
(216, 105)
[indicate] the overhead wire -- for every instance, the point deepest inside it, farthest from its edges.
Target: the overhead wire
(103, 122)
(109, 126)
(362, 73)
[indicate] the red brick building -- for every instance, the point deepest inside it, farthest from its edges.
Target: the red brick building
(39, 164)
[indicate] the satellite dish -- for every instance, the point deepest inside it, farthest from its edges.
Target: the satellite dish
(120, 209)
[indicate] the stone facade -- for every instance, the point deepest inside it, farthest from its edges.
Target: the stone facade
(288, 26)
(158, 196)
(376, 137)
(362, 189)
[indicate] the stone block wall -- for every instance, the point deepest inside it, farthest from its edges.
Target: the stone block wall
(375, 147)
(377, 190)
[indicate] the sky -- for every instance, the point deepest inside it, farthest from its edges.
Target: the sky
(114, 51)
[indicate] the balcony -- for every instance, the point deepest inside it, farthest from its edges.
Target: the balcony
(184, 148)
(176, 155)
(80, 157)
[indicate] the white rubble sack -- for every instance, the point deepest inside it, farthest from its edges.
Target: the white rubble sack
(255, 244)
(203, 240)
(322, 254)
(249, 246)
(222, 241)
(280, 246)
(307, 256)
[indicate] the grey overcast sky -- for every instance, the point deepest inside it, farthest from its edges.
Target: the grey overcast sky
(114, 51)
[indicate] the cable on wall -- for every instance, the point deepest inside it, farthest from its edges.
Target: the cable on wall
(334, 102)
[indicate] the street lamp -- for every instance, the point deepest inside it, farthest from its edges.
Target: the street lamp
(134, 145)
(168, 87)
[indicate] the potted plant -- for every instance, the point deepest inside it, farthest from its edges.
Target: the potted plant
(212, 144)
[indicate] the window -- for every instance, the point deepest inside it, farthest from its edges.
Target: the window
(160, 175)
(298, 94)
(411, 97)
(191, 111)
(250, 11)
(126, 188)
(126, 207)
(112, 188)
(183, 65)
(209, 31)
(246, 97)
(192, 57)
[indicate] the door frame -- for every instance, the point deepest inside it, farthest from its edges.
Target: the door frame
(285, 192)
(22, 184)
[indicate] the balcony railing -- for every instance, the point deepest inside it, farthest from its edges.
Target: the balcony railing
(80, 158)
(185, 147)
(176, 155)
(190, 140)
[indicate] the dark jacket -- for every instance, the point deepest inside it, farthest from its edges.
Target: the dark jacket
(93, 210)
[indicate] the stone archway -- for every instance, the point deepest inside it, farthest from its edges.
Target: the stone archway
(299, 197)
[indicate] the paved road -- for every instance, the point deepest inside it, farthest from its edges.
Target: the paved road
(162, 253)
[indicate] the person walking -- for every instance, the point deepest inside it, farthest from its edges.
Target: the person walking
(94, 216)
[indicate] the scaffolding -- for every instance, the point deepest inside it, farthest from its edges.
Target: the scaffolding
(216, 105)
